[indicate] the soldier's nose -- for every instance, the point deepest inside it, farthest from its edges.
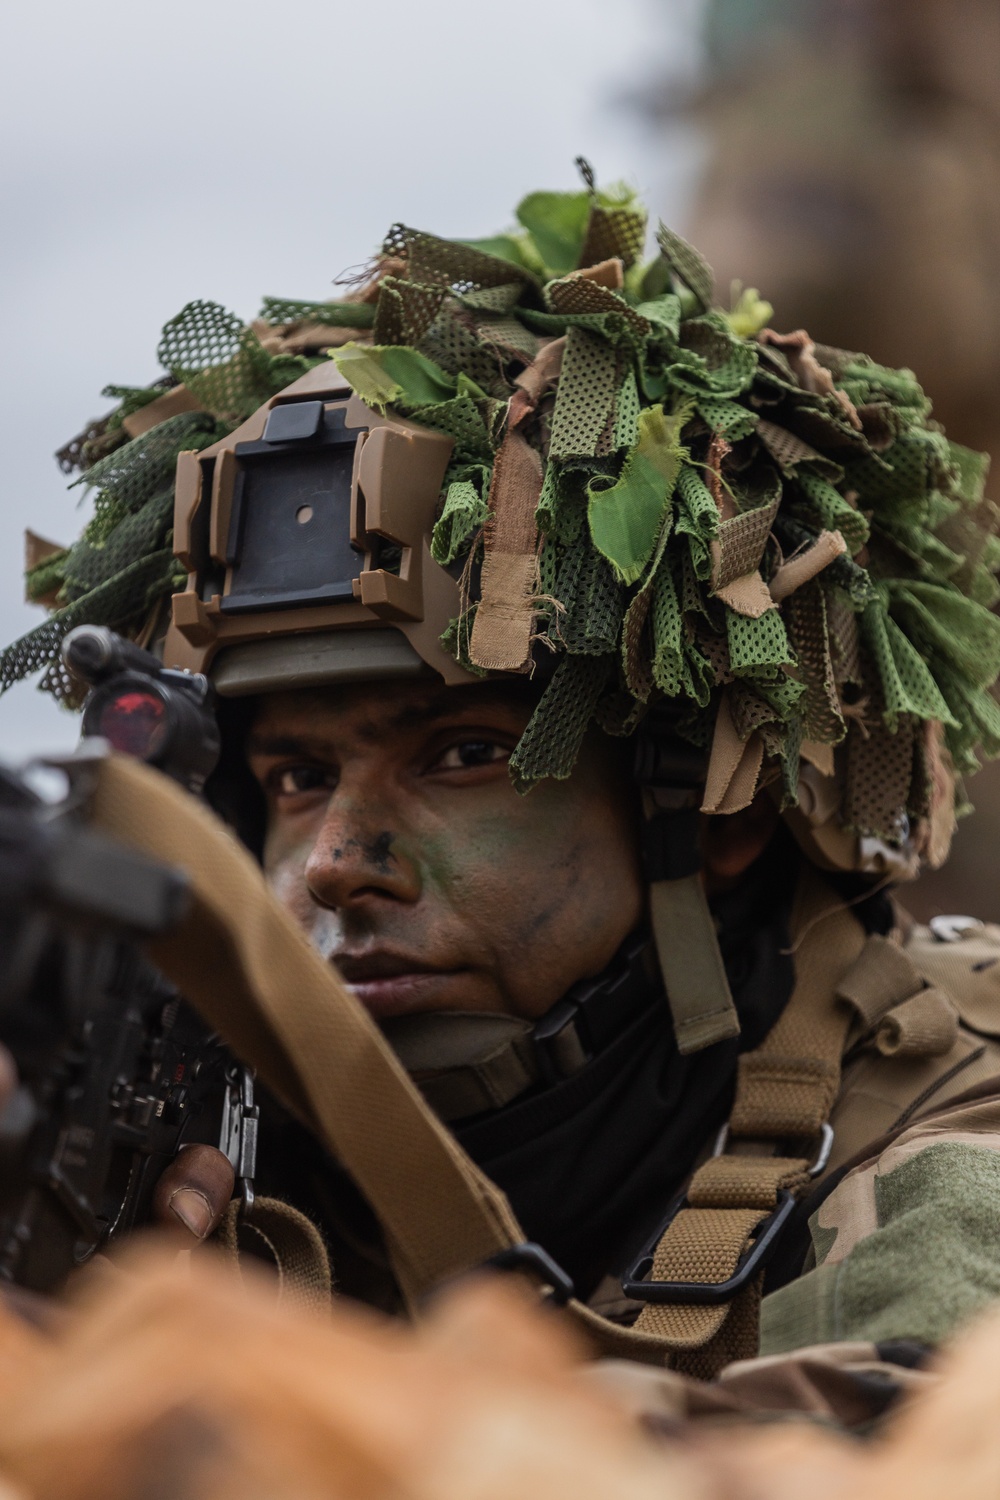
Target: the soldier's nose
(355, 860)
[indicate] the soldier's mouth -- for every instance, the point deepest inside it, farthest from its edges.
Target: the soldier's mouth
(390, 984)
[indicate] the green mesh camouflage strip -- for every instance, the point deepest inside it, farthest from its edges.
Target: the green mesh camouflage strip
(122, 569)
(689, 455)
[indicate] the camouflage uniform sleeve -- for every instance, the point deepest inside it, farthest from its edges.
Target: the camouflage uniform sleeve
(907, 1246)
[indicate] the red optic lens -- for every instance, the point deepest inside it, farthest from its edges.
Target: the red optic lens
(134, 723)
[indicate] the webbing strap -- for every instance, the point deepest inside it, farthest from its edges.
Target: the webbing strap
(704, 1245)
(785, 1088)
(239, 957)
(694, 977)
(294, 1244)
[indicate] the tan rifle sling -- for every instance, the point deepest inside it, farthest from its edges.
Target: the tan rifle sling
(279, 1233)
(240, 958)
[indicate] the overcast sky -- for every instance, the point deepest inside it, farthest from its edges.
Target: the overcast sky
(230, 148)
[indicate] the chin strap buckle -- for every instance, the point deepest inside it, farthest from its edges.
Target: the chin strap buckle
(594, 1013)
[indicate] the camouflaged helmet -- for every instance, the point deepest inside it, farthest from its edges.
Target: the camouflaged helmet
(541, 454)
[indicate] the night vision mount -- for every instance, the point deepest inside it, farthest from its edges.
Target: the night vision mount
(304, 532)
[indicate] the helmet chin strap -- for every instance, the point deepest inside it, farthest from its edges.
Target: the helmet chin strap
(687, 946)
(670, 774)
(467, 1063)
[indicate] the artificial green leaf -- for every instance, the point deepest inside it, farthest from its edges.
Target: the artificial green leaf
(750, 313)
(625, 519)
(382, 374)
(557, 223)
(503, 245)
(519, 249)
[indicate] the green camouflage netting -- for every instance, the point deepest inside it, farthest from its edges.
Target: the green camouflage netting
(726, 516)
(122, 569)
(690, 456)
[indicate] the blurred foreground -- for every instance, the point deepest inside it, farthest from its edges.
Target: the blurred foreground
(172, 1379)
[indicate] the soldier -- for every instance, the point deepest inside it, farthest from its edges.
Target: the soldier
(592, 664)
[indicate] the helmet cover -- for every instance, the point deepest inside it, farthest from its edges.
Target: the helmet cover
(645, 498)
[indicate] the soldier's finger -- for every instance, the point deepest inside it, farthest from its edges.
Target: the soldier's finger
(194, 1191)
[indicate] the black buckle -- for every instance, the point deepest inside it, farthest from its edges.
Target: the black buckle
(594, 1013)
(531, 1257)
(712, 1293)
(663, 759)
(767, 1233)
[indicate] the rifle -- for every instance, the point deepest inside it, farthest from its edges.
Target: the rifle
(116, 1071)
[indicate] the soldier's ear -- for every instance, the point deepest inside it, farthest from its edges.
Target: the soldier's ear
(732, 841)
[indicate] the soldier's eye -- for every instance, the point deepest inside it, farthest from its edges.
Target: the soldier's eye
(470, 753)
(292, 781)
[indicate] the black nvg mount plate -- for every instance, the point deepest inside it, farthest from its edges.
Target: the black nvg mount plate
(290, 529)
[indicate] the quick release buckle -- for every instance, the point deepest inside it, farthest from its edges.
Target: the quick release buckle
(766, 1236)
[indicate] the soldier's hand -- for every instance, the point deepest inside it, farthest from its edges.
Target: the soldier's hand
(194, 1191)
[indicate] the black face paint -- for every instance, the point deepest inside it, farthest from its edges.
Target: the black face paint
(376, 851)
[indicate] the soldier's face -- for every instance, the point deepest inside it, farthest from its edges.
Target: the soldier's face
(398, 842)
